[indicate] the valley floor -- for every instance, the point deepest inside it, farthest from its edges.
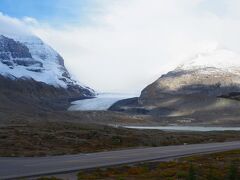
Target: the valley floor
(34, 131)
(41, 138)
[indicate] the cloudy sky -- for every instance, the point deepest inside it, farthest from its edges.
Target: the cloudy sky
(123, 45)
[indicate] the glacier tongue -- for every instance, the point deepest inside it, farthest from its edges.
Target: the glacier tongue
(102, 102)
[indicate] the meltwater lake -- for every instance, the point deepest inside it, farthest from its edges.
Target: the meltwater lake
(184, 128)
(104, 101)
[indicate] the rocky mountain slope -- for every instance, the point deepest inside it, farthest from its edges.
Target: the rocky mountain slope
(193, 89)
(32, 73)
(214, 73)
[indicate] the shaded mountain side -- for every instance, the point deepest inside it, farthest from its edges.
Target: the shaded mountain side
(203, 89)
(188, 105)
(232, 95)
(131, 106)
(27, 95)
(154, 95)
(33, 77)
(202, 81)
(195, 94)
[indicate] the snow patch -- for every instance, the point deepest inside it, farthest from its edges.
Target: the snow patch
(222, 59)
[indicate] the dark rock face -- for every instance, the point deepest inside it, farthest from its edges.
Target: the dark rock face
(210, 82)
(14, 53)
(198, 96)
(13, 48)
(129, 106)
(31, 54)
(27, 95)
(28, 63)
(60, 60)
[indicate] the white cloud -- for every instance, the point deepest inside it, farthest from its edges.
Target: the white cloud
(12, 26)
(30, 21)
(134, 41)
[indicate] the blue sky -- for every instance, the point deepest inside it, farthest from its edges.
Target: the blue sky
(57, 12)
(69, 12)
(50, 11)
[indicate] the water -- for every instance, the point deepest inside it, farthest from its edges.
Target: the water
(101, 103)
(185, 128)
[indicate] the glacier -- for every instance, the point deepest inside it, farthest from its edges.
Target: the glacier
(102, 102)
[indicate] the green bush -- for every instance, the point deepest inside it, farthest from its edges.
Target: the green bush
(181, 175)
(233, 172)
(48, 178)
(192, 173)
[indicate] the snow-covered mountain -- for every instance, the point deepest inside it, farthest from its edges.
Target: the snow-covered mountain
(218, 58)
(215, 72)
(28, 57)
(193, 90)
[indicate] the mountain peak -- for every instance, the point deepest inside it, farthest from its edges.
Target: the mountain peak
(214, 73)
(218, 58)
(29, 57)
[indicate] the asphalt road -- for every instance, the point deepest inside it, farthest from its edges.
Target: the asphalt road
(13, 168)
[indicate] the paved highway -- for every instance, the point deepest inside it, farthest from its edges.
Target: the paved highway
(13, 168)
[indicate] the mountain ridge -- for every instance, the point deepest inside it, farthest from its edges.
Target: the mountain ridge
(33, 77)
(29, 57)
(197, 89)
(216, 71)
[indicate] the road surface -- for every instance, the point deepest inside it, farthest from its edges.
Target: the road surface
(13, 168)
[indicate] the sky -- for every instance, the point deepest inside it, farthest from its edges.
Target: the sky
(124, 45)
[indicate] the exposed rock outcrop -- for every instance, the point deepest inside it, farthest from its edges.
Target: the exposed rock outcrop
(33, 76)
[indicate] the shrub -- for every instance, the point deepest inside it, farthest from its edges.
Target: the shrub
(181, 175)
(233, 172)
(192, 173)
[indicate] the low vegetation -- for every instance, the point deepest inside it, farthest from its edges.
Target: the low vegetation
(57, 138)
(219, 166)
